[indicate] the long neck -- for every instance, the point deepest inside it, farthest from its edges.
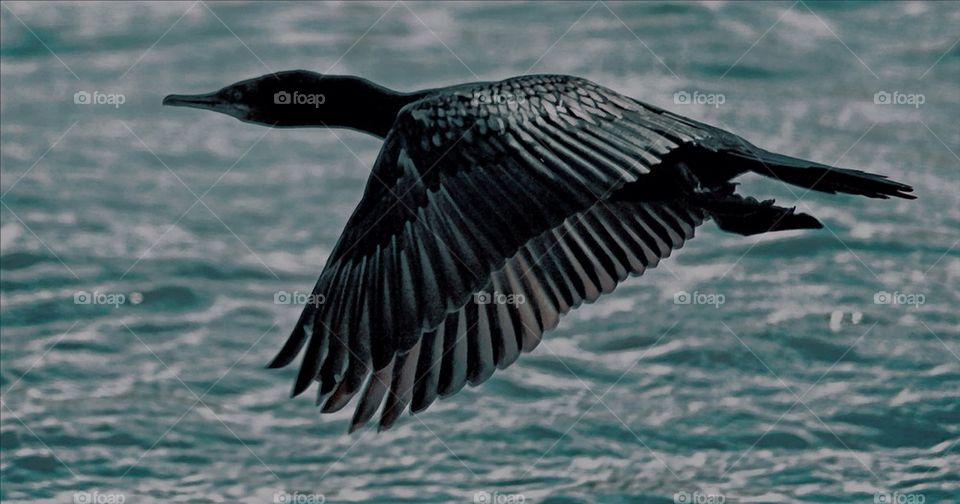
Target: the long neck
(350, 102)
(375, 108)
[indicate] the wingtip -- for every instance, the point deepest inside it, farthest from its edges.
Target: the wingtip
(332, 405)
(300, 386)
(387, 419)
(276, 363)
(357, 421)
(286, 354)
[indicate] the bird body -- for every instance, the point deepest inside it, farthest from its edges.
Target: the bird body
(493, 209)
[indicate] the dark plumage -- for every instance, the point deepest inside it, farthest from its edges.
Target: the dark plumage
(548, 188)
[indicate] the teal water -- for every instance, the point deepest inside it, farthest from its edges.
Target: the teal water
(798, 387)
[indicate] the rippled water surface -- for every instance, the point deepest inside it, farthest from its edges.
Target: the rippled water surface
(798, 387)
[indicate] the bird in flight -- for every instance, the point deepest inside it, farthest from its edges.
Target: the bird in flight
(494, 208)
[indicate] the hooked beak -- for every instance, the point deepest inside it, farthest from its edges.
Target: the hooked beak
(209, 101)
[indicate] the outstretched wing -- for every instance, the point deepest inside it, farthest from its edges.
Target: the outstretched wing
(487, 216)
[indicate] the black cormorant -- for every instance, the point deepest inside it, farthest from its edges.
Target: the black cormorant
(493, 209)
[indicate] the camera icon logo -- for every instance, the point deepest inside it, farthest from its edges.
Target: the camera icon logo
(681, 98)
(482, 297)
(81, 98)
(282, 297)
(82, 297)
(281, 98)
(682, 297)
(681, 498)
(481, 497)
(882, 297)
(882, 98)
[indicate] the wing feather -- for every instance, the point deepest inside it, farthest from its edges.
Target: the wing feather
(508, 200)
(453, 370)
(372, 396)
(428, 369)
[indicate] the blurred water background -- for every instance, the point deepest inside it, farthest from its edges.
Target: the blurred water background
(182, 225)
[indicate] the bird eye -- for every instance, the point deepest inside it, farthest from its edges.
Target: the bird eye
(236, 95)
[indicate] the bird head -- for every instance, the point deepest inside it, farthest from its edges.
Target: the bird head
(296, 98)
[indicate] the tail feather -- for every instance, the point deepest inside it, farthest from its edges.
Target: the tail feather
(820, 177)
